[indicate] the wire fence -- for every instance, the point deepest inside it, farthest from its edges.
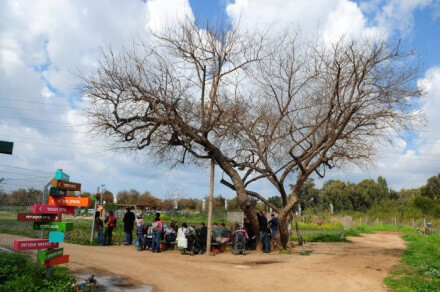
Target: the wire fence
(20, 189)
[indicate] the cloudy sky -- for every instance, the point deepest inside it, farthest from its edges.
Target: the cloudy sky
(45, 43)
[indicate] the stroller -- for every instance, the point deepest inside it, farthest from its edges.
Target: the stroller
(239, 246)
(193, 246)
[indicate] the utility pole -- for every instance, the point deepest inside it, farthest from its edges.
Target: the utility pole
(100, 195)
(210, 203)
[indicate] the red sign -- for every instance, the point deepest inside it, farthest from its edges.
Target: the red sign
(69, 201)
(42, 218)
(34, 244)
(64, 259)
(47, 209)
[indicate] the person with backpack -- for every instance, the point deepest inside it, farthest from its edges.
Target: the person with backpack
(128, 226)
(157, 232)
(111, 224)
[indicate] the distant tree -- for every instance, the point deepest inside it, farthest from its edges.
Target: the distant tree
(309, 195)
(85, 195)
(108, 197)
(147, 199)
(276, 201)
(337, 193)
(384, 185)
(432, 188)
(25, 197)
(167, 204)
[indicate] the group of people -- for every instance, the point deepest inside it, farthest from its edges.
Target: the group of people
(152, 234)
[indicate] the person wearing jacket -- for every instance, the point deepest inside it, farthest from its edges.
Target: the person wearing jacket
(99, 226)
(128, 226)
(111, 221)
(264, 232)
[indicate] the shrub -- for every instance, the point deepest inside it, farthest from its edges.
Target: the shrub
(19, 273)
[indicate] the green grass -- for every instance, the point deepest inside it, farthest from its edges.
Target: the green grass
(420, 265)
(325, 226)
(363, 228)
(321, 236)
(18, 272)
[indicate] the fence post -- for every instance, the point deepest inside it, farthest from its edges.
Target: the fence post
(395, 221)
(424, 222)
(377, 221)
(413, 222)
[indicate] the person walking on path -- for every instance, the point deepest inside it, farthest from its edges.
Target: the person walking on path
(128, 226)
(99, 226)
(157, 232)
(264, 232)
(111, 221)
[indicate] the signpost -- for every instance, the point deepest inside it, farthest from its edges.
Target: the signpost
(69, 201)
(48, 218)
(64, 259)
(6, 147)
(29, 217)
(57, 192)
(47, 209)
(33, 244)
(70, 186)
(50, 254)
(54, 226)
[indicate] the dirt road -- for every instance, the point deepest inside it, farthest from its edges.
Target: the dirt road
(360, 265)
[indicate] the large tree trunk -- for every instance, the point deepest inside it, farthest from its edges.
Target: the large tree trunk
(283, 220)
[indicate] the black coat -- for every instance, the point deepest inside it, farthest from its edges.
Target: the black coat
(262, 222)
(128, 221)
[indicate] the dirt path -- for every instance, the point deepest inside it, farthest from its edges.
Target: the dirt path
(358, 266)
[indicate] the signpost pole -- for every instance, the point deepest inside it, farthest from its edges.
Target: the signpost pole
(44, 200)
(211, 199)
(93, 222)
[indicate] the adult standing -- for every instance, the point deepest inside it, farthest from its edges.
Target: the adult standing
(264, 232)
(273, 224)
(128, 226)
(99, 226)
(157, 232)
(111, 221)
(203, 236)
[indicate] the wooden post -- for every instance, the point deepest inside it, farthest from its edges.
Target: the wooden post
(377, 221)
(413, 222)
(210, 203)
(424, 222)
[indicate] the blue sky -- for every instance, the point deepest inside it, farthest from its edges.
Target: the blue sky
(44, 43)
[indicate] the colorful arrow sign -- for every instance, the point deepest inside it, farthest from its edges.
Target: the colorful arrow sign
(50, 254)
(54, 226)
(69, 201)
(70, 186)
(57, 261)
(27, 217)
(33, 244)
(57, 192)
(47, 209)
(60, 175)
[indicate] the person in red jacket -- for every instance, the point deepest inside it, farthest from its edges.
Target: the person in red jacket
(110, 220)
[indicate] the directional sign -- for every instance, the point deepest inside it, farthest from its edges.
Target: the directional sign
(27, 217)
(6, 147)
(70, 186)
(50, 254)
(54, 226)
(33, 244)
(64, 259)
(60, 175)
(57, 192)
(69, 201)
(47, 209)
(56, 236)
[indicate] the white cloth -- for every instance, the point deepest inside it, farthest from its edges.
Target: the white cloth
(181, 239)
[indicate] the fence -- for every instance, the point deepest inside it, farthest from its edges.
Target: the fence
(20, 189)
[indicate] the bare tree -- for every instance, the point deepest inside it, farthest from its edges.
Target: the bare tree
(263, 107)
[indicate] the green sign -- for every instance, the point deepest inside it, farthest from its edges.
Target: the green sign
(56, 192)
(54, 226)
(6, 147)
(49, 254)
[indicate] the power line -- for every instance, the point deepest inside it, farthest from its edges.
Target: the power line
(43, 121)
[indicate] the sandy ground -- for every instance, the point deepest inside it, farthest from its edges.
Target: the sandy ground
(360, 265)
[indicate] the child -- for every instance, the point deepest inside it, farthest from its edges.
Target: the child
(111, 223)
(140, 231)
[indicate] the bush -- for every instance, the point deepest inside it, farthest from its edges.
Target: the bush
(19, 273)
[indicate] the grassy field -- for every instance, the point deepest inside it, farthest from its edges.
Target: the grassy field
(419, 269)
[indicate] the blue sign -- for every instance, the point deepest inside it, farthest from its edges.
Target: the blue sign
(60, 175)
(56, 236)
